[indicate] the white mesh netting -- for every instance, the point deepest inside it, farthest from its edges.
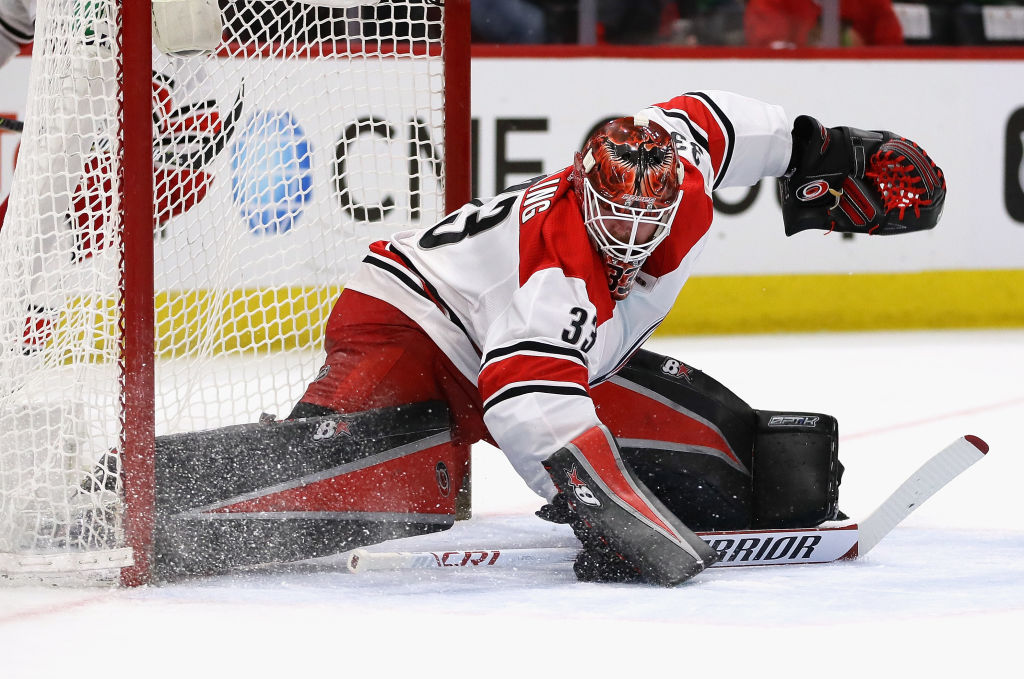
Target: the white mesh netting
(310, 132)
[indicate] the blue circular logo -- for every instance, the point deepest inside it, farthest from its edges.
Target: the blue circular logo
(271, 179)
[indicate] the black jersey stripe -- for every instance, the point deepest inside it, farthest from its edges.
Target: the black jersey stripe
(536, 347)
(397, 272)
(727, 128)
(437, 299)
(19, 36)
(513, 392)
(695, 132)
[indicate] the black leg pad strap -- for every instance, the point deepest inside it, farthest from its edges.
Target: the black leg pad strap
(796, 470)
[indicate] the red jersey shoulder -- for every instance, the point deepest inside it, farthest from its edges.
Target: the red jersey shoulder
(552, 236)
(701, 111)
(692, 221)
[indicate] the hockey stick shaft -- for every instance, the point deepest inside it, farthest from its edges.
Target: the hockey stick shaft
(737, 548)
(11, 125)
(361, 560)
(930, 477)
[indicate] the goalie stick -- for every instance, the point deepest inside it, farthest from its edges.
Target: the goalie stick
(823, 544)
(11, 124)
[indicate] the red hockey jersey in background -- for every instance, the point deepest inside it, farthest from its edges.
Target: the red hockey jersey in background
(792, 23)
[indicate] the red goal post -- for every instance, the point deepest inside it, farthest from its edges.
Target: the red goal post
(178, 229)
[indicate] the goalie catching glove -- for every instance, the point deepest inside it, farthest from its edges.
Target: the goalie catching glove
(856, 181)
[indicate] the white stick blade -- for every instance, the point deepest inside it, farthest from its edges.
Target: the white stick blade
(783, 547)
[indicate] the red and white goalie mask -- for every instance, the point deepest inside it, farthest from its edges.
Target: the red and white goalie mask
(627, 179)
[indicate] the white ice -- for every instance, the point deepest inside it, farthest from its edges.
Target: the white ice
(942, 595)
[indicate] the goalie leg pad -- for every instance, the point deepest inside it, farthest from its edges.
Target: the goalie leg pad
(715, 462)
(686, 436)
(304, 488)
(796, 469)
(627, 533)
(378, 357)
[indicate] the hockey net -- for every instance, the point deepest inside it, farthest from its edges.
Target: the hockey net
(314, 128)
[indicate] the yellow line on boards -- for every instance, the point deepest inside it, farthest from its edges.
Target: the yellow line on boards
(838, 302)
(266, 320)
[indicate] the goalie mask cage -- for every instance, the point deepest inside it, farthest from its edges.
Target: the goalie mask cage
(177, 232)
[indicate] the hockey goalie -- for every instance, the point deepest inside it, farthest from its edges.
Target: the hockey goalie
(520, 320)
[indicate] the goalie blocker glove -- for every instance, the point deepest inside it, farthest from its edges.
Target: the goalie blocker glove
(628, 535)
(856, 181)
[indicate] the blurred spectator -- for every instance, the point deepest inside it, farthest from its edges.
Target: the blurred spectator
(624, 22)
(630, 22)
(703, 22)
(508, 21)
(794, 23)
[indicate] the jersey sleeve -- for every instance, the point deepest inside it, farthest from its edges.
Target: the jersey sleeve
(534, 374)
(732, 139)
(17, 27)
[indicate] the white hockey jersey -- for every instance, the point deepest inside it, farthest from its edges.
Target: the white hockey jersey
(513, 292)
(17, 27)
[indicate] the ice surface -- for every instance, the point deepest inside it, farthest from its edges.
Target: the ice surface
(943, 595)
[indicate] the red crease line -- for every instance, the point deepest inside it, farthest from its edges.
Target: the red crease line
(936, 418)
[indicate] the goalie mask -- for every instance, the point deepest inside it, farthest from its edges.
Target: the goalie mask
(627, 179)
